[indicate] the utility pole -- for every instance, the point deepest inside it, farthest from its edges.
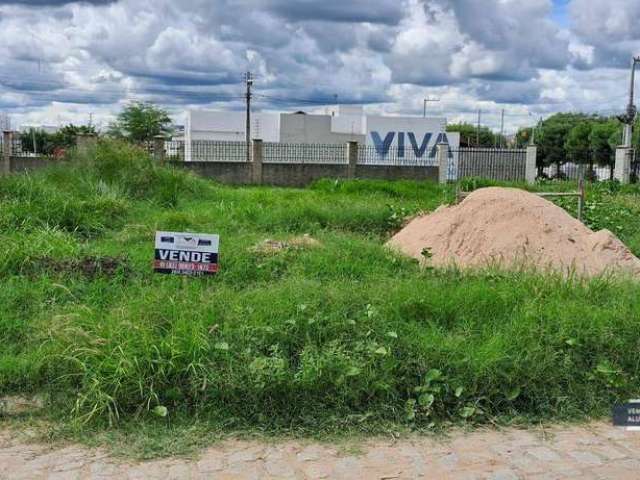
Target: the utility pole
(478, 129)
(630, 115)
(90, 119)
(424, 109)
(249, 82)
(501, 127)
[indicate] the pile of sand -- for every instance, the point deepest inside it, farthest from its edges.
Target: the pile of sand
(512, 228)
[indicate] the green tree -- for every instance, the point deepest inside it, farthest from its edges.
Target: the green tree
(52, 143)
(66, 136)
(469, 135)
(35, 140)
(603, 140)
(578, 145)
(551, 137)
(139, 122)
(523, 137)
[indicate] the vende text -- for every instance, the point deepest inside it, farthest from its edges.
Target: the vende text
(182, 256)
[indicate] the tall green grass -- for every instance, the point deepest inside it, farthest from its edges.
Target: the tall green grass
(344, 333)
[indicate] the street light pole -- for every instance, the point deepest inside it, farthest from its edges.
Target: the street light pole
(630, 115)
(424, 109)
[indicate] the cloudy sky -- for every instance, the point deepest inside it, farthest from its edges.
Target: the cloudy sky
(63, 61)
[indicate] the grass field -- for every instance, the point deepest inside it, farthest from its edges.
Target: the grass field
(346, 336)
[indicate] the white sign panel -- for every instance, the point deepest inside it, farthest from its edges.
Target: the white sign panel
(186, 253)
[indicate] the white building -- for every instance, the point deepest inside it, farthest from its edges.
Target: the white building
(346, 123)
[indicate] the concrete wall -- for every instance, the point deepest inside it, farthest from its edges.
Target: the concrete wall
(234, 173)
(299, 128)
(393, 172)
(300, 175)
(26, 164)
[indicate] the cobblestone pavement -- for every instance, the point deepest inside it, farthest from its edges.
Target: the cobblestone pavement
(595, 451)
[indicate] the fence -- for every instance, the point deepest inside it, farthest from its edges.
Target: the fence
(19, 154)
(25, 146)
(174, 150)
(396, 156)
(489, 163)
(17, 149)
(211, 151)
(299, 164)
(635, 167)
(304, 153)
(592, 165)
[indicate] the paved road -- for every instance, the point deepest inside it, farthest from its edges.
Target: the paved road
(595, 451)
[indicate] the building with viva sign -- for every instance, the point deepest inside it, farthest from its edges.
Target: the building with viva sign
(415, 137)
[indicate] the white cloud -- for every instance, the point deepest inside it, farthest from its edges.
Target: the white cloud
(609, 28)
(493, 54)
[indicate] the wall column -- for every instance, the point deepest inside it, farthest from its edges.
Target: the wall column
(622, 170)
(7, 144)
(256, 162)
(530, 169)
(352, 159)
(442, 156)
(158, 149)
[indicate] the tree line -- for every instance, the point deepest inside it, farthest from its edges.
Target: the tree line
(577, 138)
(561, 138)
(138, 122)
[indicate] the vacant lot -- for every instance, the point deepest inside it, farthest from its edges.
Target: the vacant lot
(306, 337)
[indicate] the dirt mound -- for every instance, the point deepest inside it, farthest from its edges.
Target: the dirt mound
(512, 228)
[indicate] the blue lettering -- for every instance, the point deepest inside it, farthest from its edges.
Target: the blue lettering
(419, 151)
(442, 138)
(382, 147)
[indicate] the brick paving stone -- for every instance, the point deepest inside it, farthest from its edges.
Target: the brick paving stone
(279, 468)
(570, 474)
(617, 472)
(316, 470)
(449, 461)
(249, 454)
(105, 470)
(590, 452)
(211, 462)
(244, 470)
(544, 454)
(505, 474)
(585, 458)
(348, 468)
(311, 453)
(528, 464)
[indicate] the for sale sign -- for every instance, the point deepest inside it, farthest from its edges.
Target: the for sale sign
(186, 253)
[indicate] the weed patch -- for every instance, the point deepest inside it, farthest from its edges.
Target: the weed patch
(342, 335)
